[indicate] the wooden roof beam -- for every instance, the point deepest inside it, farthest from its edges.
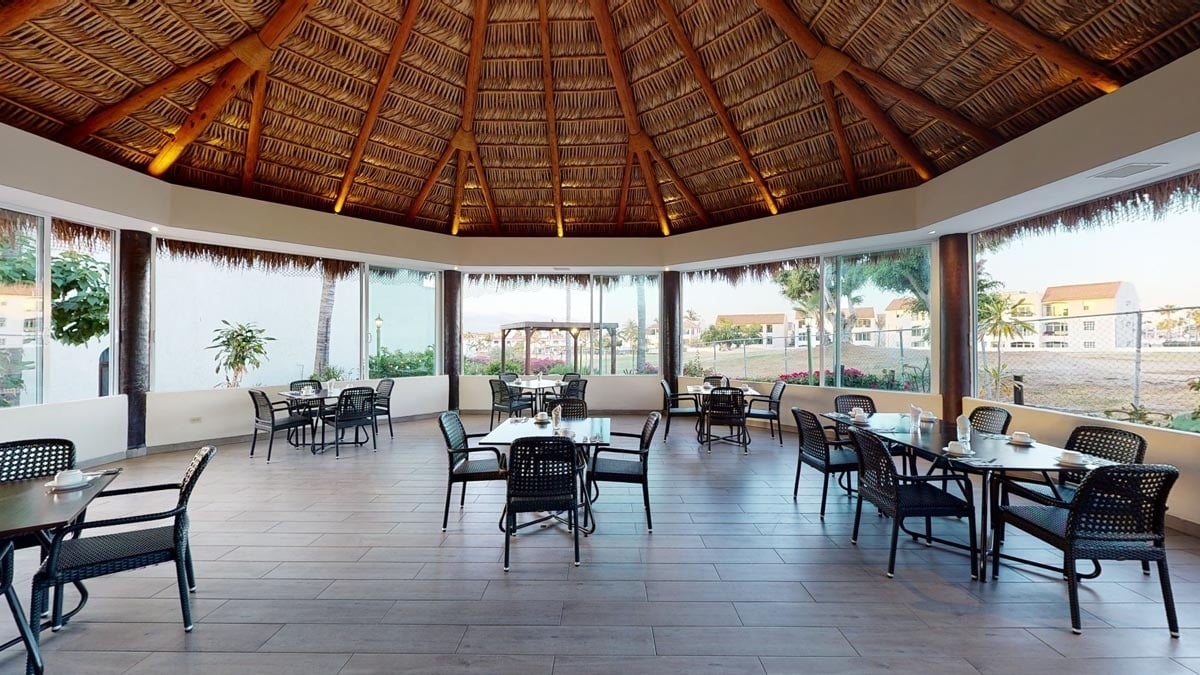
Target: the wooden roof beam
(638, 139)
(399, 42)
(252, 56)
(828, 63)
(623, 206)
(460, 183)
(551, 116)
(885, 126)
(1047, 48)
(839, 137)
(18, 12)
(430, 181)
(485, 189)
(714, 99)
(258, 105)
(688, 195)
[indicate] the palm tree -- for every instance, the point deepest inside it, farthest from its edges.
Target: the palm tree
(640, 360)
(996, 314)
(1168, 322)
(324, 323)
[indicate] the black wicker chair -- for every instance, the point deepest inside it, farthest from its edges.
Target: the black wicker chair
(576, 389)
(1116, 445)
(816, 452)
(900, 496)
(726, 407)
(76, 559)
(623, 470)
(1117, 514)
(383, 403)
(771, 412)
(567, 377)
(462, 468)
(34, 658)
(505, 401)
(672, 405)
(844, 403)
(310, 408)
(355, 409)
(509, 377)
(572, 408)
(716, 381)
(990, 419)
(542, 476)
(271, 417)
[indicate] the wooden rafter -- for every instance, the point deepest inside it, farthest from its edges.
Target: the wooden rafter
(623, 206)
(1047, 48)
(714, 99)
(438, 167)
(639, 142)
(140, 99)
(839, 137)
(829, 65)
(18, 12)
(551, 116)
(481, 177)
(399, 42)
(252, 56)
(460, 183)
(258, 105)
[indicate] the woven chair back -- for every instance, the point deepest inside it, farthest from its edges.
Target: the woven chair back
(542, 473)
(298, 385)
(726, 405)
(1115, 445)
(355, 403)
(35, 458)
(777, 394)
(573, 408)
(812, 436)
(989, 419)
(263, 412)
(1124, 502)
(575, 389)
(199, 462)
(877, 481)
(501, 395)
(384, 389)
(648, 429)
(456, 436)
(717, 381)
(507, 376)
(567, 377)
(847, 402)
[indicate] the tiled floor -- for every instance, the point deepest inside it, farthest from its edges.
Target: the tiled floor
(311, 565)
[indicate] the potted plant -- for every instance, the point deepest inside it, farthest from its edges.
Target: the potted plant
(240, 347)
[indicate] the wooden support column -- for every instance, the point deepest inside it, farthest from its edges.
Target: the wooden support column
(955, 349)
(133, 337)
(452, 334)
(670, 338)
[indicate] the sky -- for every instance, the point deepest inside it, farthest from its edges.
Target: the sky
(1156, 256)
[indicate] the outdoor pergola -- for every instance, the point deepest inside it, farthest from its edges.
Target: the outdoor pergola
(572, 328)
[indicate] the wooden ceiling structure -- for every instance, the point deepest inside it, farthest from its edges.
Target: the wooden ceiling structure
(564, 117)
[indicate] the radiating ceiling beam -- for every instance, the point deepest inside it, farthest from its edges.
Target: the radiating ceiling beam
(254, 55)
(258, 105)
(1041, 45)
(638, 140)
(140, 99)
(399, 42)
(831, 66)
(828, 63)
(714, 99)
(438, 167)
(18, 12)
(485, 189)
(623, 206)
(551, 116)
(839, 137)
(460, 184)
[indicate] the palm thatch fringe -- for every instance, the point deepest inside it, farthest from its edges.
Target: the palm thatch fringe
(1147, 202)
(79, 236)
(245, 258)
(524, 281)
(756, 272)
(398, 276)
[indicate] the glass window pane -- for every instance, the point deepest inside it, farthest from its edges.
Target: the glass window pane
(289, 305)
(20, 309)
(401, 322)
(627, 309)
(78, 354)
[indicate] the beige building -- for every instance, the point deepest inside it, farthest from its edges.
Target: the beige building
(1068, 308)
(774, 327)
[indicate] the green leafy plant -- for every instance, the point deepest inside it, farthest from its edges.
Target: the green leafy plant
(79, 298)
(1139, 414)
(330, 373)
(389, 363)
(694, 368)
(240, 347)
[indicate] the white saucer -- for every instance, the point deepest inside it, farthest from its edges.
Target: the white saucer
(565, 433)
(541, 423)
(947, 452)
(864, 423)
(67, 488)
(1073, 465)
(1023, 445)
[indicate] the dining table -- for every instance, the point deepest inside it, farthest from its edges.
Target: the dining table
(321, 398)
(701, 392)
(991, 455)
(34, 507)
(588, 434)
(539, 387)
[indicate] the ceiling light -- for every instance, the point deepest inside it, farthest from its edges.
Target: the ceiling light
(1127, 170)
(933, 232)
(154, 229)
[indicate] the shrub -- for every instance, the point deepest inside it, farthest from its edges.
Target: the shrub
(389, 363)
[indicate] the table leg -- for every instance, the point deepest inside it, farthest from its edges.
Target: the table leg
(33, 663)
(987, 488)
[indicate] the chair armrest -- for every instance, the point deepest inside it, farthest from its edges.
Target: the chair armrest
(286, 403)
(691, 397)
(124, 520)
(476, 435)
(619, 451)
(136, 490)
(624, 434)
(758, 399)
(495, 451)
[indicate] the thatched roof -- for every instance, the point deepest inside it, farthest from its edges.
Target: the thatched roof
(510, 117)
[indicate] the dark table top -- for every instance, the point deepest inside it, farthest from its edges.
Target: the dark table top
(597, 431)
(993, 452)
(29, 506)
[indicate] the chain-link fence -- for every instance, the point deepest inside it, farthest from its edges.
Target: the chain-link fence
(1134, 366)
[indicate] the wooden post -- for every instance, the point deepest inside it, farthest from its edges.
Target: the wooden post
(670, 337)
(955, 349)
(133, 379)
(452, 334)
(528, 348)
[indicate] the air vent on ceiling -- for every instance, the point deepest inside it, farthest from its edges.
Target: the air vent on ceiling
(562, 269)
(1127, 170)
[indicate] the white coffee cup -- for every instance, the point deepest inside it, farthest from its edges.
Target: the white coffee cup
(856, 412)
(68, 478)
(928, 416)
(860, 417)
(1071, 457)
(1023, 437)
(956, 448)
(542, 416)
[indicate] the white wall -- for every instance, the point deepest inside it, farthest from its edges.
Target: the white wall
(97, 426)
(1163, 446)
(196, 416)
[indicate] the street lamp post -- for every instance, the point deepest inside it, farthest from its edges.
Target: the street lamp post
(378, 334)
